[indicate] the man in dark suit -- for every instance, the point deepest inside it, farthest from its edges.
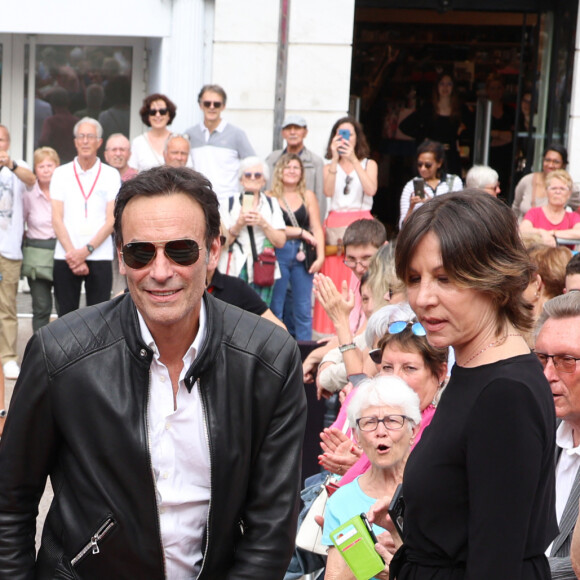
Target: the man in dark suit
(558, 348)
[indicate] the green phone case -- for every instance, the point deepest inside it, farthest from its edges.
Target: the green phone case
(356, 545)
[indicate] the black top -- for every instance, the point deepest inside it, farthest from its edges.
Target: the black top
(300, 214)
(479, 486)
(237, 292)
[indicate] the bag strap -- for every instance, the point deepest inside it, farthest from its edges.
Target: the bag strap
(252, 243)
(291, 214)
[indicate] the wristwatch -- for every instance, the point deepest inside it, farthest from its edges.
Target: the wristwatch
(3, 413)
(14, 166)
(90, 248)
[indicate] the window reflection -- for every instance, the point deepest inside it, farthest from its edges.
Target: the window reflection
(73, 82)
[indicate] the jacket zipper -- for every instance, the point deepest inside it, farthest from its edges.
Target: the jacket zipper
(152, 473)
(94, 542)
(206, 430)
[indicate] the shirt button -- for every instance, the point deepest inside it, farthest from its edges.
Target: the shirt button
(165, 475)
(162, 379)
(167, 426)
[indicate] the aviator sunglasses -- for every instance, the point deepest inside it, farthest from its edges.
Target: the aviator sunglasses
(396, 328)
(137, 255)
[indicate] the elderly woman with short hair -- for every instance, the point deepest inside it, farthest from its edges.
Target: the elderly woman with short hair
(483, 177)
(384, 416)
(262, 214)
(553, 220)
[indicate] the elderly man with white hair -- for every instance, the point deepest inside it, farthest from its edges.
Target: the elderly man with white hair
(484, 178)
(117, 153)
(176, 150)
(83, 197)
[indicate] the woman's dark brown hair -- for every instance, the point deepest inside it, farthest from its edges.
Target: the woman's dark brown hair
(147, 101)
(361, 149)
(480, 248)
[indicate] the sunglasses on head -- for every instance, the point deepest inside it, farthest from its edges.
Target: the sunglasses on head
(216, 104)
(250, 175)
(153, 112)
(417, 329)
(420, 164)
(137, 255)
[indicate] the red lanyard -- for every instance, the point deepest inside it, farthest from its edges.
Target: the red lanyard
(81, 185)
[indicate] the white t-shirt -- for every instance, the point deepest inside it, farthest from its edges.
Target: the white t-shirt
(354, 199)
(11, 213)
(84, 221)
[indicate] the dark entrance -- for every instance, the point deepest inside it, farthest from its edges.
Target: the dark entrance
(399, 48)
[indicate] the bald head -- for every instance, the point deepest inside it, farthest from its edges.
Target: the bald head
(118, 151)
(176, 151)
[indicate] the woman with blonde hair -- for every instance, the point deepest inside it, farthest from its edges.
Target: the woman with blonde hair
(553, 220)
(303, 233)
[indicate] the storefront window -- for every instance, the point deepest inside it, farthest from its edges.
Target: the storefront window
(76, 81)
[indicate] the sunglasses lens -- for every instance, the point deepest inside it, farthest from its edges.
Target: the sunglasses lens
(397, 327)
(418, 329)
(375, 355)
(153, 112)
(182, 252)
(137, 255)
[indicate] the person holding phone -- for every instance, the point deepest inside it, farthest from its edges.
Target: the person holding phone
(384, 417)
(436, 181)
(252, 208)
(350, 182)
(479, 487)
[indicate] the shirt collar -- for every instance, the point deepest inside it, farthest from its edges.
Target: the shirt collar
(81, 170)
(218, 129)
(193, 349)
(565, 439)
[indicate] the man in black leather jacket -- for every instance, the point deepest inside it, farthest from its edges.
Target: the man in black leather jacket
(90, 411)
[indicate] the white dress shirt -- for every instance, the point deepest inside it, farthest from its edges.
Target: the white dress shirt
(568, 465)
(179, 447)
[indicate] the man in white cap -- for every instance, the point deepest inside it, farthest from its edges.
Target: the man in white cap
(294, 131)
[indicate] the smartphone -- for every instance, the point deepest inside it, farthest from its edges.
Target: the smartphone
(344, 133)
(247, 201)
(355, 540)
(419, 187)
(397, 509)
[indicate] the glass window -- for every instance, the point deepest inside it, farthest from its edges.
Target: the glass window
(76, 81)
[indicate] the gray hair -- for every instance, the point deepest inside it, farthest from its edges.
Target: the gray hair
(94, 122)
(481, 176)
(382, 391)
(378, 323)
(248, 162)
(183, 136)
(563, 306)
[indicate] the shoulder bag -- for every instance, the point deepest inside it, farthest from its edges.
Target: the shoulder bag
(264, 263)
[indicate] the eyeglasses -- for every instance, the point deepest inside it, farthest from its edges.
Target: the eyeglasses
(117, 149)
(417, 329)
(391, 422)
(256, 175)
(558, 189)
(85, 136)
(347, 182)
(364, 263)
(562, 362)
(137, 255)
(214, 104)
(420, 165)
(552, 161)
(155, 112)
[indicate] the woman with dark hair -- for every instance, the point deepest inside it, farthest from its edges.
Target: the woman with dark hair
(442, 120)
(157, 112)
(479, 487)
(531, 189)
(350, 181)
(430, 167)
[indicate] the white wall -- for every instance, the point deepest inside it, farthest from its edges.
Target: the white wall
(574, 124)
(319, 58)
(84, 17)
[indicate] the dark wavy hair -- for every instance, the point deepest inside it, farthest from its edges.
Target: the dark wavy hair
(165, 180)
(438, 152)
(147, 101)
(480, 248)
(560, 149)
(361, 149)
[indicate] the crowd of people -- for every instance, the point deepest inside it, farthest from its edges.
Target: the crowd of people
(459, 334)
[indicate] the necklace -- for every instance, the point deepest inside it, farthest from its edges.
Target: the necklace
(494, 343)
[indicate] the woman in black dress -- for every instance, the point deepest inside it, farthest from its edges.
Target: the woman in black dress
(479, 487)
(442, 120)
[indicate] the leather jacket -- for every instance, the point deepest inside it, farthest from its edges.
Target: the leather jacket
(79, 414)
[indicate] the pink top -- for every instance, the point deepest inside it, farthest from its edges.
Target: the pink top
(129, 173)
(37, 214)
(539, 220)
(356, 317)
(363, 463)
